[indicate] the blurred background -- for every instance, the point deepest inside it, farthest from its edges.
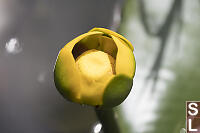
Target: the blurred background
(165, 35)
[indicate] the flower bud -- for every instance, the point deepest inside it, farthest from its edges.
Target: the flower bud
(96, 68)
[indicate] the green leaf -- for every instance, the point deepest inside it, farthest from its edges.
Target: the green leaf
(117, 91)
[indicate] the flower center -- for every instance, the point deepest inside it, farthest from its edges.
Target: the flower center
(94, 64)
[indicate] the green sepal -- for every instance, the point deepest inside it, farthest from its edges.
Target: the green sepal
(117, 91)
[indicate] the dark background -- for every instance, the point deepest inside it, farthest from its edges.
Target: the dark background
(29, 101)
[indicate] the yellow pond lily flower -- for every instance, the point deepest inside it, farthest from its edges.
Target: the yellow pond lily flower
(96, 68)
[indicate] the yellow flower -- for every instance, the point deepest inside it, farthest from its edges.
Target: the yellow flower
(96, 68)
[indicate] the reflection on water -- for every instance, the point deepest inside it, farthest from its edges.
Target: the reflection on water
(13, 46)
(97, 128)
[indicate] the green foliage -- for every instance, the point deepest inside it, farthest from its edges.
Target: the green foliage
(124, 125)
(186, 87)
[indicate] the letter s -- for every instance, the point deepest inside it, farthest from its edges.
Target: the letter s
(193, 108)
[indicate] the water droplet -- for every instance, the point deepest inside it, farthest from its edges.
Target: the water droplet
(97, 128)
(13, 46)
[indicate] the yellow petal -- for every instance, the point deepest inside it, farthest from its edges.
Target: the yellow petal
(66, 75)
(98, 42)
(72, 43)
(125, 61)
(96, 71)
(109, 32)
(91, 42)
(108, 46)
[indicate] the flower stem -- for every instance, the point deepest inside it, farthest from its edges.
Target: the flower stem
(108, 120)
